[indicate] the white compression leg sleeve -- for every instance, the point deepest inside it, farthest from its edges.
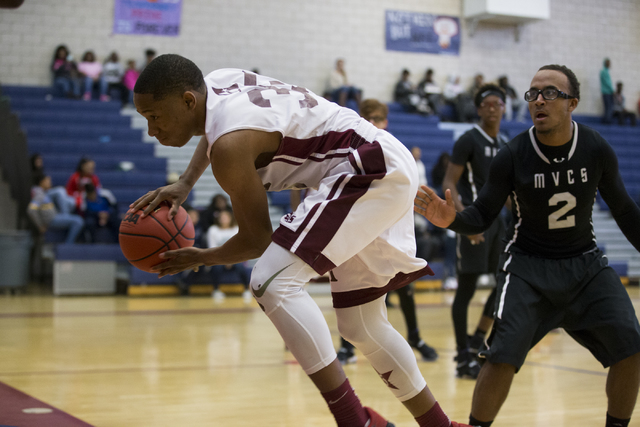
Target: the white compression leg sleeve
(366, 326)
(277, 282)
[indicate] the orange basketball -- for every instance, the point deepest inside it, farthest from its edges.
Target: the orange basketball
(142, 240)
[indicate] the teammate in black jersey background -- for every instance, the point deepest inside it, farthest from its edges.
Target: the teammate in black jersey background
(552, 272)
(476, 254)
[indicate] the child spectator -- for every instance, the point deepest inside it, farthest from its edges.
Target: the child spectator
(618, 107)
(91, 73)
(217, 235)
(130, 78)
(65, 74)
(98, 214)
(51, 209)
(113, 73)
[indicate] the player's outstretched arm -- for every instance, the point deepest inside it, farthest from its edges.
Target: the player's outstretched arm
(439, 212)
(176, 193)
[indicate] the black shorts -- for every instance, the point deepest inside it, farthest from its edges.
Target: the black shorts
(583, 295)
(483, 257)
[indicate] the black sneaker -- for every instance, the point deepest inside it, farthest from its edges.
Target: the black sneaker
(428, 353)
(346, 356)
(468, 366)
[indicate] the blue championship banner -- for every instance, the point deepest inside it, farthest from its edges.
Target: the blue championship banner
(152, 17)
(422, 32)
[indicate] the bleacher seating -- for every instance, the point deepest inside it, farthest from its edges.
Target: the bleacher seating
(63, 131)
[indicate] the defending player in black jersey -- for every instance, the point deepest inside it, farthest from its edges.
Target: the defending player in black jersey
(477, 254)
(552, 272)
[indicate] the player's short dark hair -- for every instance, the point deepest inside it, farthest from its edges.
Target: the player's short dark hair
(169, 74)
(574, 84)
(486, 90)
(368, 106)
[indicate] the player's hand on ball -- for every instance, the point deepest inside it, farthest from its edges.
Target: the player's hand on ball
(439, 212)
(175, 194)
(179, 260)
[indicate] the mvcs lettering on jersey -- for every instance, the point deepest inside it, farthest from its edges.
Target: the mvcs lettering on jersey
(559, 178)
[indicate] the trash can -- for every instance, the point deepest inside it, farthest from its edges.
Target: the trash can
(15, 254)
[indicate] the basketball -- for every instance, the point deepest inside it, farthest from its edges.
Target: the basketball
(142, 240)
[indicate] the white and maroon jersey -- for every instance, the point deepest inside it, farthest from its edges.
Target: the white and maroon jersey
(363, 180)
(317, 134)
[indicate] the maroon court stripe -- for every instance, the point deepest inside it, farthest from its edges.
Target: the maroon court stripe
(20, 409)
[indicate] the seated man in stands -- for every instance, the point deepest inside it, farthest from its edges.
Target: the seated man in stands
(51, 209)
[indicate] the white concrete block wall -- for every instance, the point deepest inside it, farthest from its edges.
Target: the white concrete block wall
(298, 41)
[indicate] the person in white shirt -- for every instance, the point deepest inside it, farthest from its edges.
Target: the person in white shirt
(340, 88)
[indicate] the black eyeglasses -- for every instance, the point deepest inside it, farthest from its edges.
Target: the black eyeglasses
(549, 93)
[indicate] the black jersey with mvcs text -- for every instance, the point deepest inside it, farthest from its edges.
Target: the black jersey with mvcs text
(553, 190)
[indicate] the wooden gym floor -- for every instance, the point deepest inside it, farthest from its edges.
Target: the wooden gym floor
(189, 361)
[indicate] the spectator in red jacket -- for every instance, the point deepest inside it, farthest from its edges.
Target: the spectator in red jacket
(84, 174)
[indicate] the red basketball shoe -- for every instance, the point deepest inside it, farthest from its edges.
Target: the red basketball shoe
(376, 420)
(455, 424)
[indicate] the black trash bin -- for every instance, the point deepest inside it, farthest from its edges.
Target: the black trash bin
(15, 256)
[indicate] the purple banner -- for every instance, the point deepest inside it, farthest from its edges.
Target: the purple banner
(422, 32)
(154, 17)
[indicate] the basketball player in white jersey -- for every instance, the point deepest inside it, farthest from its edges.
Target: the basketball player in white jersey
(260, 135)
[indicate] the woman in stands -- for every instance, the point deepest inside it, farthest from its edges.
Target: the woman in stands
(65, 73)
(91, 73)
(84, 174)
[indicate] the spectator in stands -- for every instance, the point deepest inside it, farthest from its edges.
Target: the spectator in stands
(65, 73)
(448, 237)
(149, 55)
(430, 91)
(618, 107)
(129, 79)
(37, 164)
(451, 93)
(416, 152)
(84, 174)
(51, 209)
(513, 102)
(225, 228)
(189, 277)
(98, 214)
(340, 88)
(113, 73)
(376, 112)
(91, 73)
(467, 112)
(406, 95)
(606, 88)
(219, 202)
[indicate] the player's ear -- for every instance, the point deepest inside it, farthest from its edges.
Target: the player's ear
(573, 104)
(189, 99)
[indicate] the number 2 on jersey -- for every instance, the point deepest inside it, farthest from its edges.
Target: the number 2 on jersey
(554, 218)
